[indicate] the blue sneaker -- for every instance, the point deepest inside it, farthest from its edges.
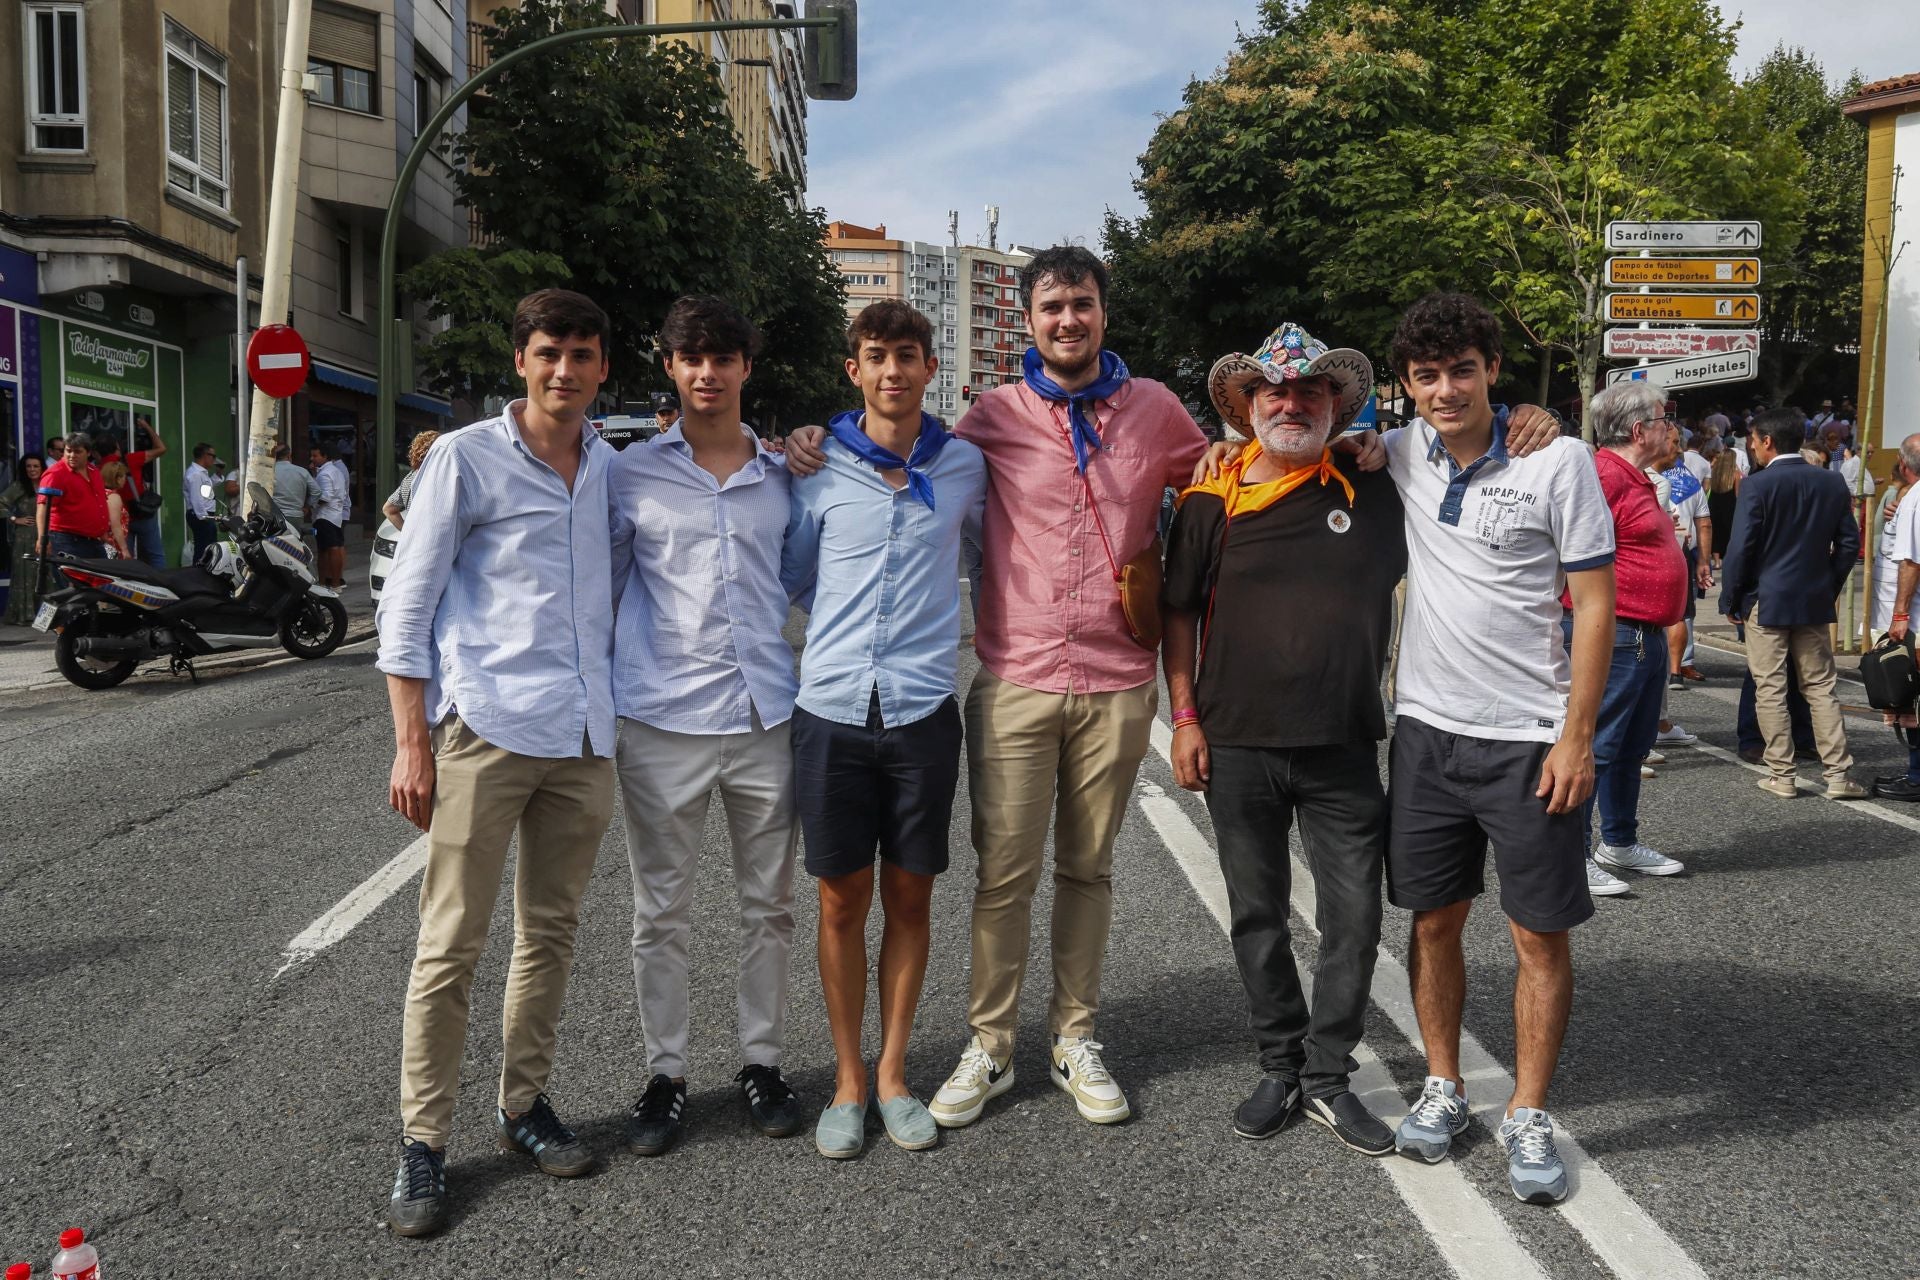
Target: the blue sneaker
(1533, 1165)
(1429, 1129)
(418, 1206)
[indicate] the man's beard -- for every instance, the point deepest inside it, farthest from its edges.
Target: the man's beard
(1288, 440)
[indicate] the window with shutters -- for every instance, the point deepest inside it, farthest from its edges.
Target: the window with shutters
(196, 116)
(343, 49)
(56, 55)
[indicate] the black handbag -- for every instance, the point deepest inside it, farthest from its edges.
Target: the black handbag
(147, 504)
(1890, 674)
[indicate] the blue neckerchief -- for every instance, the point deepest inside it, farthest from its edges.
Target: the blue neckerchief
(1113, 372)
(933, 438)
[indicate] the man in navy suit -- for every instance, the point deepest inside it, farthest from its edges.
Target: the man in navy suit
(1794, 542)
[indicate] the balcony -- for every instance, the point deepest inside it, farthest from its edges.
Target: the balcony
(477, 55)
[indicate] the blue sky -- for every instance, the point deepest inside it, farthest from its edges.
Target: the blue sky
(1043, 108)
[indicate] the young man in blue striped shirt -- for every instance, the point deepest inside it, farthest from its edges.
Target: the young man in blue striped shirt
(873, 552)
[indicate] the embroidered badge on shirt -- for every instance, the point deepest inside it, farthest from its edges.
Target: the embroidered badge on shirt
(1339, 521)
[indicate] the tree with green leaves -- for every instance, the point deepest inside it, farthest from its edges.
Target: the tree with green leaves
(1348, 158)
(1810, 293)
(612, 167)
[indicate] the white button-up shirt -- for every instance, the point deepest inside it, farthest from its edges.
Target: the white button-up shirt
(336, 500)
(501, 593)
(696, 564)
(190, 486)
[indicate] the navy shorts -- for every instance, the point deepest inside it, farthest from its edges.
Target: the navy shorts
(329, 535)
(1448, 794)
(866, 788)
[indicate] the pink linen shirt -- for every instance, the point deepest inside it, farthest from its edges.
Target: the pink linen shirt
(1050, 616)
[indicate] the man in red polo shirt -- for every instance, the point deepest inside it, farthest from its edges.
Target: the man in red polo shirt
(1633, 432)
(71, 519)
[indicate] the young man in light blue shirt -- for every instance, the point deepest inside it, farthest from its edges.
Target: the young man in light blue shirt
(496, 637)
(873, 552)
(704, 685)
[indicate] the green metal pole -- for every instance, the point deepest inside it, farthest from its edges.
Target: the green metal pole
(386, 396)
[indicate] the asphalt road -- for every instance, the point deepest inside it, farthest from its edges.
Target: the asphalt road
(1740, 1065)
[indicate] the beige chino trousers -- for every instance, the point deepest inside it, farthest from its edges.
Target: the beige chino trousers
(1027, 750)
(1810, 650)
(481, 794)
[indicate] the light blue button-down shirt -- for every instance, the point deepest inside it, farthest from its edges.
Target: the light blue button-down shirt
(697, 647)
(501, 594)
(880, 574)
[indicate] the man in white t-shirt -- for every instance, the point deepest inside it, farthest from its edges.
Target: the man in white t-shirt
(1494, 737)
(1898, 582)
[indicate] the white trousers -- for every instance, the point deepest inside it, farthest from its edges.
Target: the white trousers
(666, 785)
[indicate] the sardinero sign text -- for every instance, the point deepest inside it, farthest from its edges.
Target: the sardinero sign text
(97, 360)
(1694, 371)
(1683, 235)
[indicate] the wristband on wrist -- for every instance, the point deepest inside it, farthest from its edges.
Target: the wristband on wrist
(1182, 718)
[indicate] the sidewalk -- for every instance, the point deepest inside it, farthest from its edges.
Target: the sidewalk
(26, 655)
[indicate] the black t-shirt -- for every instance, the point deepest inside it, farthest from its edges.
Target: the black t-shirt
(1303, 614)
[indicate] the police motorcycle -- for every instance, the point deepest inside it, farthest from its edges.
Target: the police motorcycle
(254, 589)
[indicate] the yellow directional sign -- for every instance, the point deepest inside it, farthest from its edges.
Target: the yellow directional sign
(1683, 273)
(1684, 308)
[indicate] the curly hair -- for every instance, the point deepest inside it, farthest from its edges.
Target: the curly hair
(1441, 325)
(1062, 264)
(417, 447)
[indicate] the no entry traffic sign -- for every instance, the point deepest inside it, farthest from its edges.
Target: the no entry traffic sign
(278, 361)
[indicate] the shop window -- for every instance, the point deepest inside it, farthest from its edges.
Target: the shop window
(196, 116)
(56, 76)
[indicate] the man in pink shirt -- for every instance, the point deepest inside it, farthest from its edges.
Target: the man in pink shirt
(1078, 455)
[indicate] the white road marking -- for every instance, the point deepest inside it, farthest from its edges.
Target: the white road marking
(1880, 811)
(1616, 1228)
(1471, 1237)
(339, 920)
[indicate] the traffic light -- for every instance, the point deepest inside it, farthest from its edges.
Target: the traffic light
(966, 393)
(832, 59)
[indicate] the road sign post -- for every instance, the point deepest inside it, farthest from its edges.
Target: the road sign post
(1682, 273)
(1691, 372)
(1683, 235)
(1683, 308)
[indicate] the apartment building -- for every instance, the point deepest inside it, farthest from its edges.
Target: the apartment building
(993, 329)
(135, 178)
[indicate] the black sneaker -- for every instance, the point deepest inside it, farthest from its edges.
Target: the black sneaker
(1266, 1112)
(770, 1103)
(540, 1134)
(1900, 788)
(655, 1123)
(1352, 1123)
(418, 1206)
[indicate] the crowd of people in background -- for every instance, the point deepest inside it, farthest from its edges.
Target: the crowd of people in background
(89, 497)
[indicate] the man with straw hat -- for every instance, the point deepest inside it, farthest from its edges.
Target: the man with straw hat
(1279, 580)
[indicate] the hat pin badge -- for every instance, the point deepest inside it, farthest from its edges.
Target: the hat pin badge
(1339, 521)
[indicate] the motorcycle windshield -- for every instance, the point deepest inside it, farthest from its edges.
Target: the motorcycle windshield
(261, 503)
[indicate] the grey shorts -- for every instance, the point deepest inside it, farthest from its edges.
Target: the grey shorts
(1448, 795)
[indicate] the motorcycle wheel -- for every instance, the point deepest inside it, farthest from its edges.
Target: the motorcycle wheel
(88, 673)
(315, 629)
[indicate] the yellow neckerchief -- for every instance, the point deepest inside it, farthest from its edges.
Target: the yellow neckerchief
(1241, 499)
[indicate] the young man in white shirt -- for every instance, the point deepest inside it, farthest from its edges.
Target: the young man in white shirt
(330, 517)
(496, 637)
(1494, 733)
(704, 688)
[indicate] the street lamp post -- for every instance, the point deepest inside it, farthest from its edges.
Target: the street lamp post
(835, 27)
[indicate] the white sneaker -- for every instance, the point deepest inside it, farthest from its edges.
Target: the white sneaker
(1646, 772)
(1078, 1071)
(964, 1096)
(1602, 885)
(1677, 736)
(1653, 757)
(1637, 857)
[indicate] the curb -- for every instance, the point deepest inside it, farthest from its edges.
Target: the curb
(241, 661)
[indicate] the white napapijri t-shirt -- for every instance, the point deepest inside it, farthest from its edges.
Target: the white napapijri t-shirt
(1489, 547)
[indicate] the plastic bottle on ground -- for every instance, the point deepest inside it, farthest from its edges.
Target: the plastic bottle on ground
(20, 1271)
(76, 1259)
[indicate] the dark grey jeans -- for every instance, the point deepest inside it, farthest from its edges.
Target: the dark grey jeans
(1254, 795)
